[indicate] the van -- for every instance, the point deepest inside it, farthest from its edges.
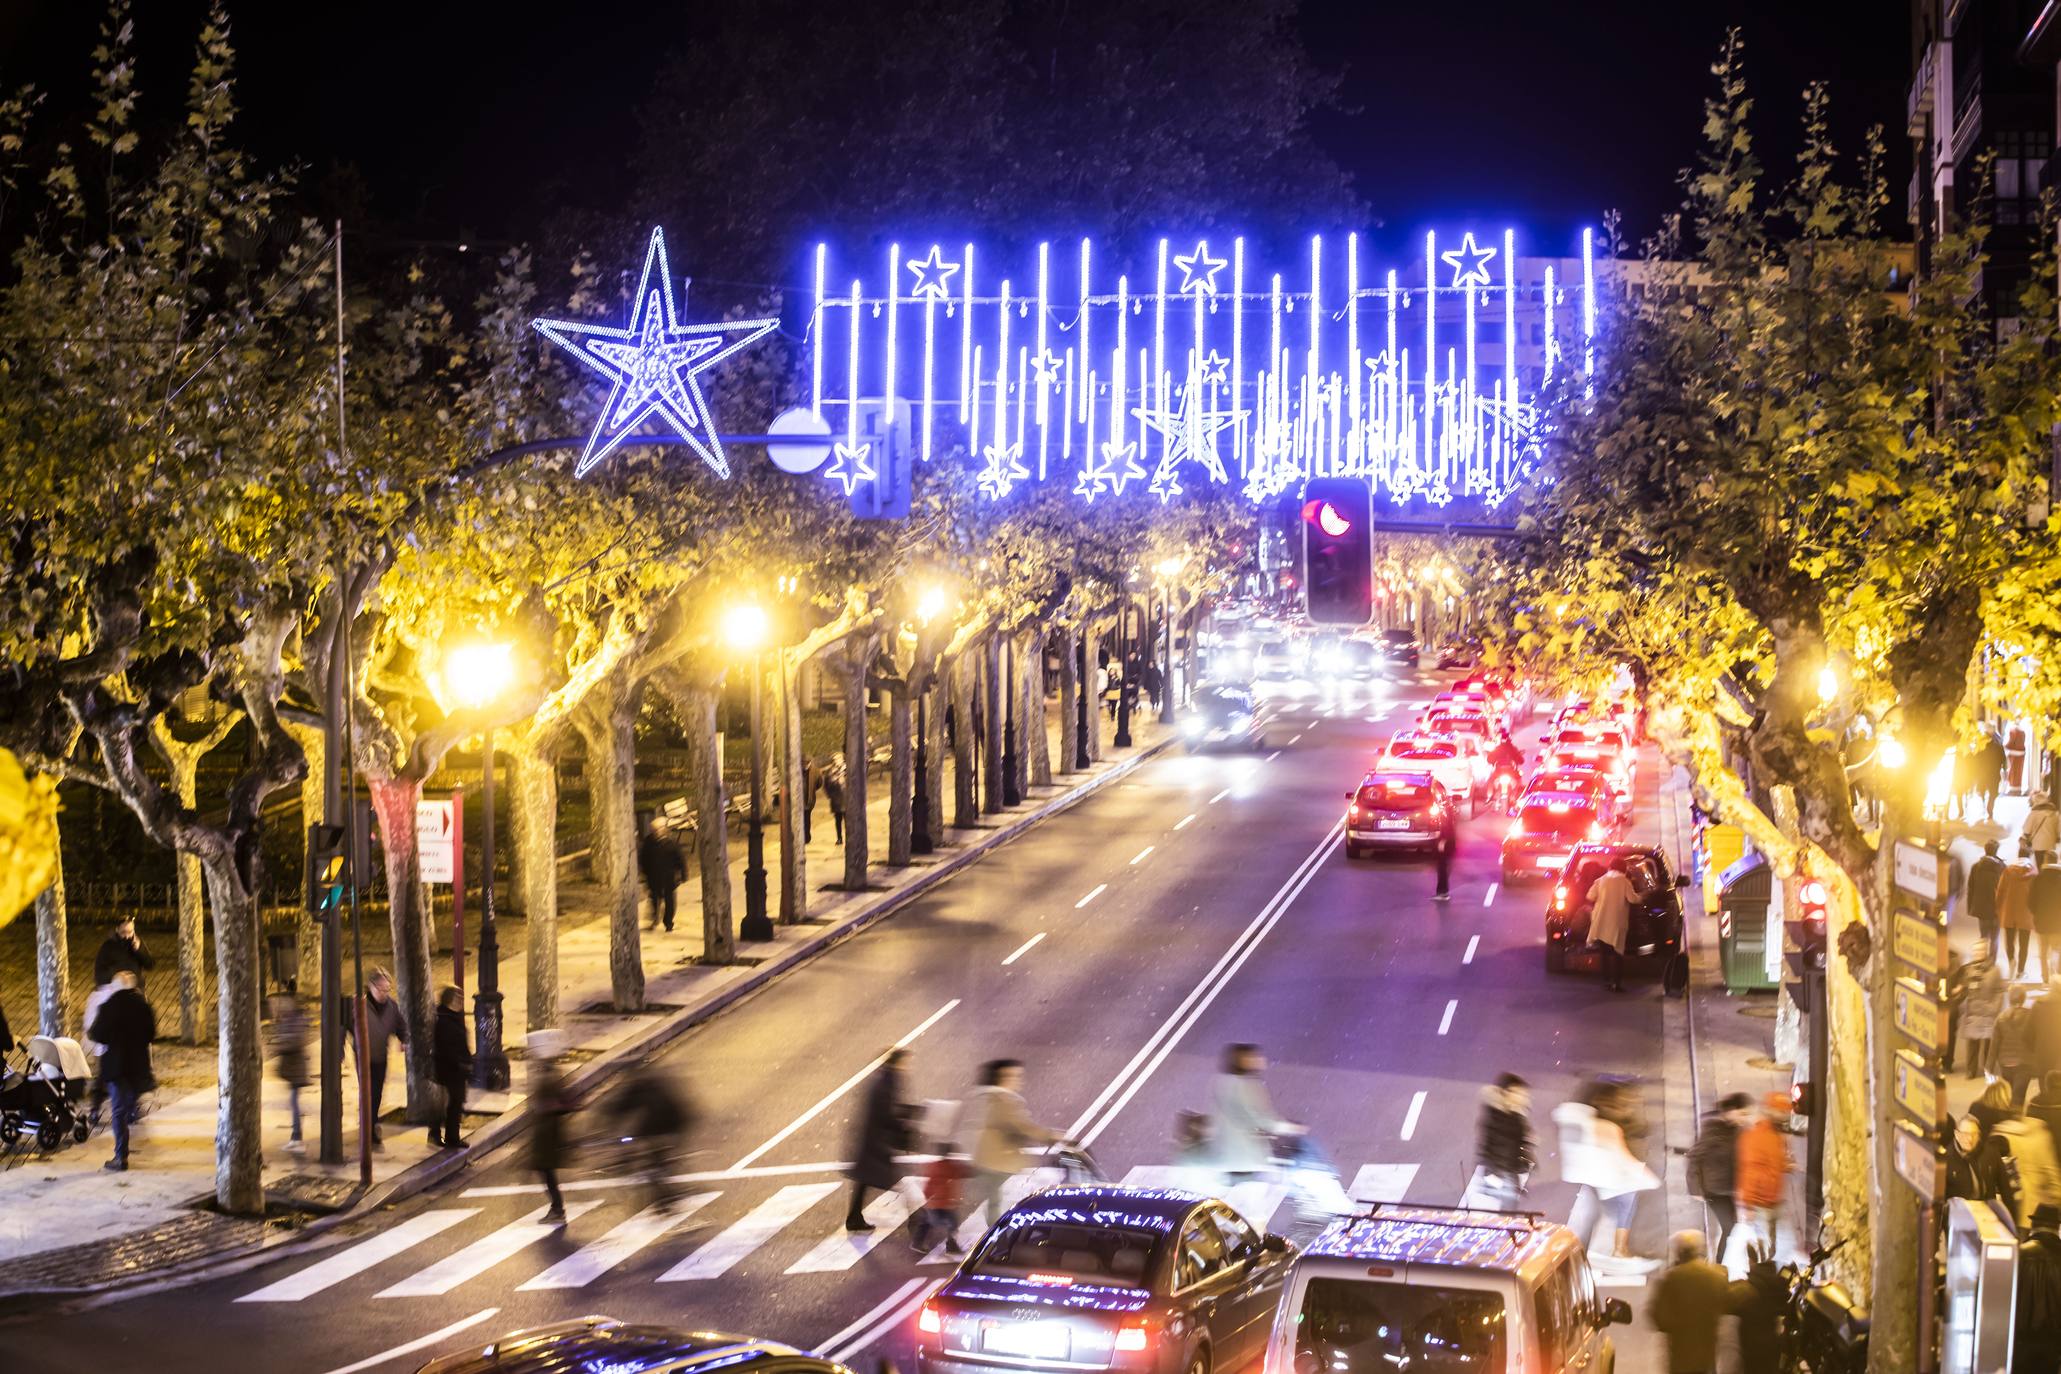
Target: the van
(1443, 1288)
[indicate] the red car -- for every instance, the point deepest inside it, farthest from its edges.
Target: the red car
(1548, 827)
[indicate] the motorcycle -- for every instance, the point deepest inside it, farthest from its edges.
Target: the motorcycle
(1503, 791)
(1824, 1330)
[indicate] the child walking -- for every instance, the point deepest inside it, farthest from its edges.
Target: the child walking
(944, 1185)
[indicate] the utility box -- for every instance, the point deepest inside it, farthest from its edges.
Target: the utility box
(1981, 1287)
(1747, 888)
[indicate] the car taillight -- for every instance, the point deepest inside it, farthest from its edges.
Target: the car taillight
(1132, 1336)
(1595, 830)
(1354, 813)
(928, 1321)
(1560, 898)
(1516, 829)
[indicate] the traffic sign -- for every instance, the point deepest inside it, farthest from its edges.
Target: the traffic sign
(799, 457)
(433, 848)
(1919, 1161)
(1917, 871)
(1920, 942)
(1918, 1015)
(1918, 1089)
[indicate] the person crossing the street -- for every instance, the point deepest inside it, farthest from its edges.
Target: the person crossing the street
(1448, 841)
(1714, 1166)
(1505, 1150)
(550, 1105)
(883, 1134)
(1005, 1139)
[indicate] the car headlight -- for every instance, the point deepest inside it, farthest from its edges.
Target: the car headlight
(1191, 726)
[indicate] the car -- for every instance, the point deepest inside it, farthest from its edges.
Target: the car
(1587, 758)
(1546, 829)
(1345, 659)
(1655, 928)
(1595, 786)
(1396, 811)
(1400, 646)
(1151, 1280)
(1459, 720)
(1459, 653)
(603, 1343)
(1225, 717)
(1450, 760)
(1279, 657)
(1444, 1288)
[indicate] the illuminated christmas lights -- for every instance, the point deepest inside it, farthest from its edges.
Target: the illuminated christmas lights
(848, 466)
(1469, 262)
(1199, 271)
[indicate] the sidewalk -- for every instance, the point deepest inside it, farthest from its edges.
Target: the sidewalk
(67, 1225)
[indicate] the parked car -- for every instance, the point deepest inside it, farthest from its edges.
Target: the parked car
(1655, 928)
(603, 1343)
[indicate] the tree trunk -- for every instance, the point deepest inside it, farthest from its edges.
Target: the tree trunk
(1032, 733)
(611, 784)
(901, 778)
(857, 654)
(193, 941)
(393, 801)
(533, 817)
(794, 860)
(1089, 681)
(1023, 673)
(53, 957)
(992, 695)
(239, 1124)
(1069, 698)
(307, 926)
(1885, 1221)
(695, 703)
(934, 757)
(965, 804)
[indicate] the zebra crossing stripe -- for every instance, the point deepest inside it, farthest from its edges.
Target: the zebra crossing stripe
(757, 1226)
(617, 1244)
(1383, 1182)
(482, 1255)
(358, 1258)
(842, 1249)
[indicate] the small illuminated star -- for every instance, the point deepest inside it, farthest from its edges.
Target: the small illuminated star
(1469, 262)
(1199, 270)
(1003, 471)
(933, 276)
(653, 365)
(849, 467)
(1046, 367)
(1215, 368)
(1117, 468)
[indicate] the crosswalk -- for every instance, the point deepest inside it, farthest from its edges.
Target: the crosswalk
(791, 1229)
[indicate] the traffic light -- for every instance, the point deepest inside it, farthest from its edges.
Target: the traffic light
(1803, 1098)
(1338, 551)
(328, 870)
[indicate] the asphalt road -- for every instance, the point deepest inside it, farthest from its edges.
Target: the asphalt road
(1115, 950)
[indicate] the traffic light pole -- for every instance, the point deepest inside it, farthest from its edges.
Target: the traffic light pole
(331, 1022)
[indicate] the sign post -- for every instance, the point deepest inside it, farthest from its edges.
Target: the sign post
(1918, 942)
(438, 825)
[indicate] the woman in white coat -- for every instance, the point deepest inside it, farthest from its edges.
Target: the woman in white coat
(1245, 1123)
(1594, 1157)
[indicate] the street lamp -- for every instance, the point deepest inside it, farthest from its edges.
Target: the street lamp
(1891, 751)
(930, 604)
(744, 629)
(477, 674)
(1828, 684)
(1168, 569)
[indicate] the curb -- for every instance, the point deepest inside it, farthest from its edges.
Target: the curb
(508, 1127)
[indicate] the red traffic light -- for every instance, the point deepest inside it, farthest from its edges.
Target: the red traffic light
(1326, 517)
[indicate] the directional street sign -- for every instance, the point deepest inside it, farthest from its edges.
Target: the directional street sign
(1918, 1089)
(433, 848)
(1919, 1162)
(1917, 871)
(1918, 1015)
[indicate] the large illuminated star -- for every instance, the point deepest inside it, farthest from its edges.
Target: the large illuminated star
(653, 365)
(1199, 270)
(933, 276)
(1191, 436)
(1469, 262)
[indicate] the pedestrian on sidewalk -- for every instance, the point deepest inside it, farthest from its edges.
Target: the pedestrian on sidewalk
(2046, 1029)
(2032, 1179)
(2036, 1320)
(550, 1105)
(1989, 772)
(1763, 1170)
(126, 1025)
(289, 1035)
(883, 1134)
(384, 1024)
(1979, 1013)
(1505, 1149)
(2014, 1046)
(662, 865)
(1448, 842)
(122, 951)
(1761, 1302)
(2046, 916)
(1608, 1177)
(944, 1185)
(2045, 1106)
(1688, 1302)
(1149, 677)
(2039, 836)
(1610, 922)
(1983, 875)
(833, 792)
(1714, 1166)
(451, 1064)
(808, 807)
(1005, 1139)
(2014, 914)
(1972, 1162)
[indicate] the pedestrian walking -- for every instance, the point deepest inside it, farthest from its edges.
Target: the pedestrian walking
(1610, 922)
(1149, 678)
(1608, 1179)
(451, 1064)
(1988, 772)
(1763, 1169)
(808, 808)
(1448, 842)
(1714, 1166)
(1956, 982)
(1982, 892)
(384, 1024)
(288, 1031)
(550, 1105)
(654, 1115)
(1761, 1302)
(944, 1187)
(883, 1133)
(2040, 834)
(2045, 1106)
(1004, 1136)
(1246, 1123)
(833, 792)
(2036, 1318)
(2014, 1045)
(662, 865)
(2046, 916)
(1505, 1150)
(1688, 1302)
(2046, 1029)
(125, 1025)
(2014, 914)
(122, 951)
(2032, 1179)
(1979, 1012)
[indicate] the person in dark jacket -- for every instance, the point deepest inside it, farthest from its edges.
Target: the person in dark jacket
(1760, 1301)
(1974, 1163)
(1983, 875)
(289, 1036)
(2046, 916)
(550, 1105)
(662, 865)
(383, 1025)
(1714, 1166)
(2045, 1106)
(1448, 841)
(125, 1025)
(1505, 1147)
(883, 1133)
(122, 949)
(2036, 1335)
(833, 792)
(1987, 772)
(451, 1064)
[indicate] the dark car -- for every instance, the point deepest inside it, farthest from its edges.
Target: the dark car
(1656, 919)
(1399, 646)
(1225, 717)
(1548, 827)
(1151, 1280)
(1395, 811)
(603, 1343)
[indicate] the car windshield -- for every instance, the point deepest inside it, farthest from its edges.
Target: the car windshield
(1352, 1326)
(1557, 816)
(1218, 704)
(1399, 638)
(1119, 1254)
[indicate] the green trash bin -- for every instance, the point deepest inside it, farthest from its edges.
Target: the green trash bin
(1747, 887)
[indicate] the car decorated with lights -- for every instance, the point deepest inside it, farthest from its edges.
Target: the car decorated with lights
(1547, 828)
(1655, 928)
(603, 1345)
(1154, 1280)
(1395, 811)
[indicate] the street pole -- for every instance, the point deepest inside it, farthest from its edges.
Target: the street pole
(489, 1060)
(331, 1143)
(756, 926)
(1166, 670)
(1124, 687)
(1010, 795)
(920, 841)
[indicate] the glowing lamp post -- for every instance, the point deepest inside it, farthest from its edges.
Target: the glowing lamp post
(1168, 569)
(478, 674)
(930, 604)
(744, 630)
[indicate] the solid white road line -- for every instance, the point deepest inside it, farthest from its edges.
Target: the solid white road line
(1096, 891)
(1490, 895)
(360, 1257)
(1445, 1023)
(747, 1234)
(842, 1249)
(1023, 949)
(1473, 943)
(881, 1320)
(617, 1244)
(1220, 796)
(841, 1089)
(1383, 1182)
(1139, 857)
(482, 1255)
(436, 1337)
(1416, 1106)
(1182, 824)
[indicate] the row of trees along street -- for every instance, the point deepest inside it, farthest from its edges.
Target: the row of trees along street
(1810, 490)
(243, 453)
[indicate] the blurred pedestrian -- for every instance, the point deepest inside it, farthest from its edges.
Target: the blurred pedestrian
(1608, 1179)
(126, 1025)
(2045, 1106)
(2013, 1043)
(384, 1024)
(1956, 995)
(2033, 1177)
(1979, 1013)
(1246, 1123)
(450, 1064)
(121, 951)
(1982, 893)
(1761, 1302)
(550, 1105)
(1762, 1175)
(883, 1134)
(1448, 842)
(2039, 836)
(1610, 922)
(1714, 1166)
(2046, 1029)
(661, 865)
(2014, 914)
(808, 807)
(1688, 1302)
(1149, 676)
(1004, 1138)
(833, 792)
(1987, 772)
(288, 1030)
(1505, 1149)
(2046, 916)
(2036, 1318)
(944, 1187)
(656, 1117)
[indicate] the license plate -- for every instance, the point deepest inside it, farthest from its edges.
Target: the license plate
(1392, 825)
(1040, 1340)
(1552, 863)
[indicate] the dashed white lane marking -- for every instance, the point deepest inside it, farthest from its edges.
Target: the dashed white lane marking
(360, 1257)
(1489, 896)
(1416, 1107)
(1096, 891)
(1473, 943)
(1139, 857)
(1023, 949)
(1183, 823)
(434, 1338)
(841, 1089)
(486, 1252)
(1296, 737)
(1220, 796)
(1445, 1023)
(757, 1226)
(1275, 755)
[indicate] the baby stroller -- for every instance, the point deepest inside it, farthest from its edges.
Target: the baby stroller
(43, 1098)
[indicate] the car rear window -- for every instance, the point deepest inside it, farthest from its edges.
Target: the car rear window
(1356, 1326)
(1395, 796)
(1399, 637)
(1119, 1254)
(1562, 816)
(1426, 749)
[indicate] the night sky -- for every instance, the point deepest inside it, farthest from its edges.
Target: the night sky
(475, 121)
